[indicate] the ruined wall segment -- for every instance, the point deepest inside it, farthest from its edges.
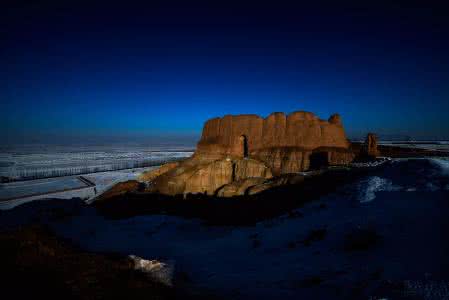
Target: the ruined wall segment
(283, 142)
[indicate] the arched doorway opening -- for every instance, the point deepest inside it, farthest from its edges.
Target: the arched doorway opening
(243, 146)
(319, 160)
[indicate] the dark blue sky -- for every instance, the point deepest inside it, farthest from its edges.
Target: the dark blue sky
(162, 68)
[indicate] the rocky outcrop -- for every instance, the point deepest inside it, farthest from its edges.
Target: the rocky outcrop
(120, 189)
(222, 178)
(284, 142)
(282, 180)
(239, 187)
(207, 178)
(152, 174)
(157, 270)
(250, 168)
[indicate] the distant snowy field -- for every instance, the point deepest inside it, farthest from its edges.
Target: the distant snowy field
(428, 145)
(43, 161)
(53, 171)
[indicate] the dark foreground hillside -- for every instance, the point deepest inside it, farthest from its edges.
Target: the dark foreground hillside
(36, 264)
(379, 234)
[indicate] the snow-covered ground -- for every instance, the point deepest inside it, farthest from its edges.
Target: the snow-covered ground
(303, 254)
(376, 163)
(31, 190)
(39, 186)
(82, 193)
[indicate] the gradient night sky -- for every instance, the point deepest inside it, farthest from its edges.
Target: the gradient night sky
(131, 70)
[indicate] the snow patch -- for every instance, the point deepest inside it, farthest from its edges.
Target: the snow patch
(431, 187)
(380, 161)
(159, 271)
(442, 163)
(375, 184)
